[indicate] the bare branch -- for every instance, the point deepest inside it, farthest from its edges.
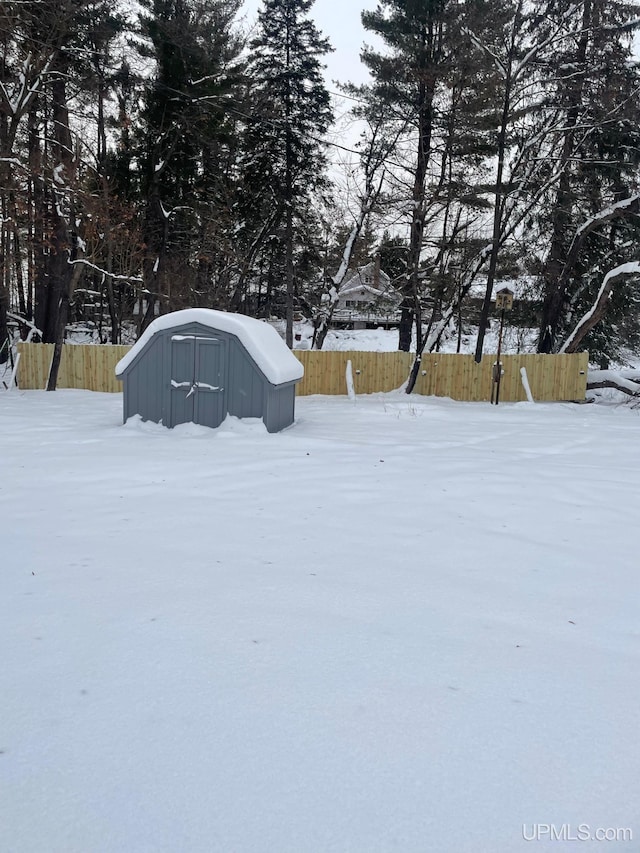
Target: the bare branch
(104, 272)
(599, 307)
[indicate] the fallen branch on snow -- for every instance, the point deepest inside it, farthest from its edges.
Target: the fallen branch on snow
(614, 379)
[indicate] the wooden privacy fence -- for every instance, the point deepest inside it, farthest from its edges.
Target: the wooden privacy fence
(551, 377)
(81, 366)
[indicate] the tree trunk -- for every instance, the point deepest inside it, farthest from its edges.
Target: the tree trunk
(289, 276)
(497, 210)
(406, 325)
(410, 310)
(38, 291)
(288, 197)
(554, 281)
(62, 275)
(4, 238)
(4, 330)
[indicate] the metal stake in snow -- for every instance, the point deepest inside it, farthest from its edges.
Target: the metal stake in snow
(504, 302)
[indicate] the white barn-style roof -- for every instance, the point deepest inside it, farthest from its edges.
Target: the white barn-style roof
(262, 342)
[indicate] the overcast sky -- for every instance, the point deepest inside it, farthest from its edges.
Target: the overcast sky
(339, 20)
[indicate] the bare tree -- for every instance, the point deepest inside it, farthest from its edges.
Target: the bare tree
(377, 147)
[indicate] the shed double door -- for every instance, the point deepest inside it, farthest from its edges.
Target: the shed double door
(197, 380)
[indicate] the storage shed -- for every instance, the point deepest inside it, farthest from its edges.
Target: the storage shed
(199, 365)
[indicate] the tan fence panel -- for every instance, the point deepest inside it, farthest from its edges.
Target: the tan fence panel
(82, 366)
(551, 377)
(456, 376)
(325, 371)
(32, 373)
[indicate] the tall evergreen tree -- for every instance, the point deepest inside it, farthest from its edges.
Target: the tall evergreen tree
(429, 75)
(596, 89)
(407, 74)
(183, 136)
(285, 160)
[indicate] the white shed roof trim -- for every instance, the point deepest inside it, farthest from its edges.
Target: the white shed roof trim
(262, 342)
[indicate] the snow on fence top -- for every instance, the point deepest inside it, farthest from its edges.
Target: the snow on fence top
(262, 342)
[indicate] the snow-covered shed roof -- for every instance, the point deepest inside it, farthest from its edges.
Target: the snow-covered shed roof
(262, 342)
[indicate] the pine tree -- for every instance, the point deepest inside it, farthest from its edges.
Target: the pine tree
(407, 75)
(284, 156)
(392, 252)
(430, 75)
(592, 228)
(183, 138)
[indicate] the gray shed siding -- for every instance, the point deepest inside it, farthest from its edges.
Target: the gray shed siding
(213, 358)
(142, 389)
(245, 384)
(279, 407)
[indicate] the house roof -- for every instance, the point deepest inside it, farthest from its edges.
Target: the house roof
(357, 281)
(262, 342)
(387, 292)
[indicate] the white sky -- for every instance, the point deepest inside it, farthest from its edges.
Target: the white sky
(339, 20)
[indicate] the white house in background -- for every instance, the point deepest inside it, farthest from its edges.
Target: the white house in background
(367, 298)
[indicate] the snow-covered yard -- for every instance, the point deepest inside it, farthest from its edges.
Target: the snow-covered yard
(400, 625)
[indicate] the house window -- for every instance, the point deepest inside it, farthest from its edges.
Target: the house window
(351, 303)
